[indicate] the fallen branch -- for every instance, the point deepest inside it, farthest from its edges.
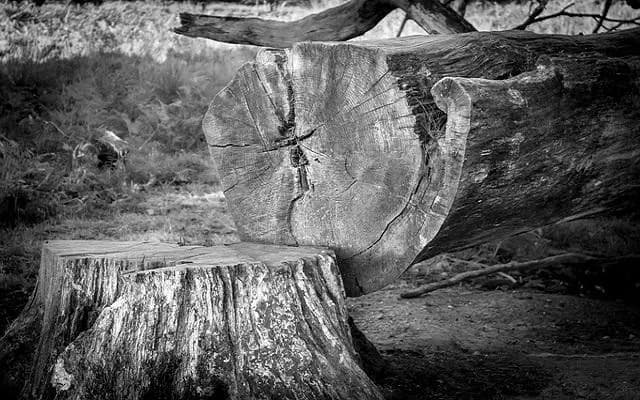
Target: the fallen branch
(564, 258)
(343, 22)
(567, 258)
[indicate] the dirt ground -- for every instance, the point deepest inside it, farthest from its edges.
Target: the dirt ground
(462, 343)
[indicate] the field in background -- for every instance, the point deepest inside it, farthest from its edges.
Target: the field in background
(69, 72)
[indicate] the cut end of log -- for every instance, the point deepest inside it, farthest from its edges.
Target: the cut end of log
(332, 131)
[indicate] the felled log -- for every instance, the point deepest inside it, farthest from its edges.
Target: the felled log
(343, 145)
(343, 22)
(131, 320)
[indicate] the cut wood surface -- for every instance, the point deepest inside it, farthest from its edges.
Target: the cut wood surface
(343, 22)
(343, 145)
(141, 320)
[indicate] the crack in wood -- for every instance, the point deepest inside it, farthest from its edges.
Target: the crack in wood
(393, 220)
(222, 146)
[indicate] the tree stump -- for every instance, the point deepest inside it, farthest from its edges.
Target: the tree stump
(131, 320)
(345, 147)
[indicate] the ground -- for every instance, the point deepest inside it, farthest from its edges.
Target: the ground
(467, 343)
(456, 343)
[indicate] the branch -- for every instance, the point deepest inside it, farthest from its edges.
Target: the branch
(404, 22)
(566, 258)
(565, 13)
(533, 15)
(343, 22)
(532, 19)
(605, 11)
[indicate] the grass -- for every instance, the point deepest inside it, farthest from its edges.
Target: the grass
(68, 73)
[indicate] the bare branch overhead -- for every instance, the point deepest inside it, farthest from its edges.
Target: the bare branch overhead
(343, 22)
(605, 11)
(535, 17)
(533, 14)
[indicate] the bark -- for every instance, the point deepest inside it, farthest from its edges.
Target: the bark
(342, 144)
(343, 22)
(130, 320)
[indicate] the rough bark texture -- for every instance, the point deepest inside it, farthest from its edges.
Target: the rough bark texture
(339, 23)
(558, 141)
(139, 320)
(342, 144)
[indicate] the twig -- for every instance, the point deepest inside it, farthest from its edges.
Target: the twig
(605, 11)
(582, 215)
(565, 13)
(536, 19)
(404, 22)
(567, 258)
(508, 277)
(534, 14)
(56, 127)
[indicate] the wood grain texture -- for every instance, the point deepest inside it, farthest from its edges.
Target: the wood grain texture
(343, 145)
(343, 22)
(241, 321)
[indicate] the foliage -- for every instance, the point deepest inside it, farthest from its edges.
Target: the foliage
(68, 74)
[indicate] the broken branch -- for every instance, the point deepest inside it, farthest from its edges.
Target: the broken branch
(339, 23)
(567, 258)
(563, 258)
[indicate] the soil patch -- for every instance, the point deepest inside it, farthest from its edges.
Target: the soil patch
(463, 343)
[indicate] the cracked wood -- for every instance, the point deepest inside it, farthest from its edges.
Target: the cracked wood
(382, 170)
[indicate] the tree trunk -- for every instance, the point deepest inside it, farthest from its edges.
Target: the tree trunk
(138, 320)
(342, 144)
(343, 22)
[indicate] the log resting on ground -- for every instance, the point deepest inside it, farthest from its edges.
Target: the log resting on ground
(132, 320)
(343, 22)
(343, 144)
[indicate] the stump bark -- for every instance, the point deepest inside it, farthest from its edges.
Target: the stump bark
(128, 320)
(343, 144)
